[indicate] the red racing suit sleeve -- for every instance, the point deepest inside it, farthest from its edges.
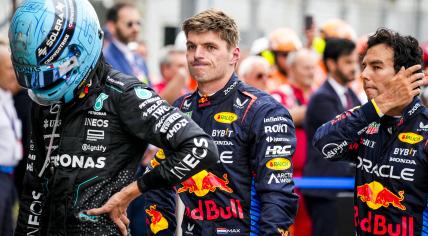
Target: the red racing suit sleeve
(151, 118)
(339, 138)
(275, 203)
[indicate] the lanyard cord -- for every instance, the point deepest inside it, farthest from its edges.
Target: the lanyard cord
(56, 108)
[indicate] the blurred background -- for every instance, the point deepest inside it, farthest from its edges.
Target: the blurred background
(161, 19)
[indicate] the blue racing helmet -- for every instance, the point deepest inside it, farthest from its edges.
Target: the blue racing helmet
(55, 44)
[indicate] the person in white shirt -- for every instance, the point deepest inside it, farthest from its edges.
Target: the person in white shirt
(10, 144)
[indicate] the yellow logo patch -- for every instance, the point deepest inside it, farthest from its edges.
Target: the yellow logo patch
(160, 154)
(279, 163)
(225, 117)
(410, 137)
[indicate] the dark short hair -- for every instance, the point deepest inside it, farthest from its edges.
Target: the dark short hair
(337, 47)
(113, 12)
(406, 48)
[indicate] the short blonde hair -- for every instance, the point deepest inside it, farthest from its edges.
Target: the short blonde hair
(214, 20)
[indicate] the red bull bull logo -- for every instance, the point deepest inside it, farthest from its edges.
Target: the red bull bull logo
(375, 195)
(210, 210)
(204, 182)
(157, 221)
(378, 224)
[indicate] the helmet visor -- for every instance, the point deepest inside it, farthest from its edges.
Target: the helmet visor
(37, 77)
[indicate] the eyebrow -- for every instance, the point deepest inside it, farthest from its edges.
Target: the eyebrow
(376, 62)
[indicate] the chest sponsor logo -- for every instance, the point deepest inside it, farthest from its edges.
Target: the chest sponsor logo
(380, 224)
(331, 149)
(93, 148)
(274, 119)
(75, 161)
(278, 128)
(157, 221)
(225, 117)
(94, 135)
(211, 210)
(414, 108)
(113, 81)
(240, 104)
(386, 171)
(187, 104)
(405, 151)
(401, 160)
(223, 143)
(97, 113)
(100, 101)
(278, 150)
(279, 163)
(410, 138)
(423, 127)
(226, 91)
(375, 195)
(373, 128)
(368, 143)
(226, 157)
(50, 123)
(280, 178)
(142, 93)
(205, 182)
(221, 231)
(94, 122)
(221, 133)
(276, 139)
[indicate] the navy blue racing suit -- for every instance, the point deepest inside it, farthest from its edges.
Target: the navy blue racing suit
(250, 190)
(392, 166)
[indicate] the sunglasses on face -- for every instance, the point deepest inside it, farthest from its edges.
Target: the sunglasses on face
(129, 24)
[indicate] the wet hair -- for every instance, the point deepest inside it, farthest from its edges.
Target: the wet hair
(214, 20)
(336, 48)
(113, 12)
(406, 48)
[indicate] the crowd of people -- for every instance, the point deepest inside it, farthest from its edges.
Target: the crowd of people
(212, 144)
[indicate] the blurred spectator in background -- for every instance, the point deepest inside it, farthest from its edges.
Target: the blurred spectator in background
(10, 145)
(140, 48)
(282, 41)
(254, 70)
(332, 98)
(173, 69)
(294, 96)
(124, 23)
(310, 30)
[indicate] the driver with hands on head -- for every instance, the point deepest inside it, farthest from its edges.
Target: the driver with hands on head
(90, 126)
(386, 138)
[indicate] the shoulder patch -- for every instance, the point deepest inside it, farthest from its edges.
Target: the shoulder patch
(142, 93)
